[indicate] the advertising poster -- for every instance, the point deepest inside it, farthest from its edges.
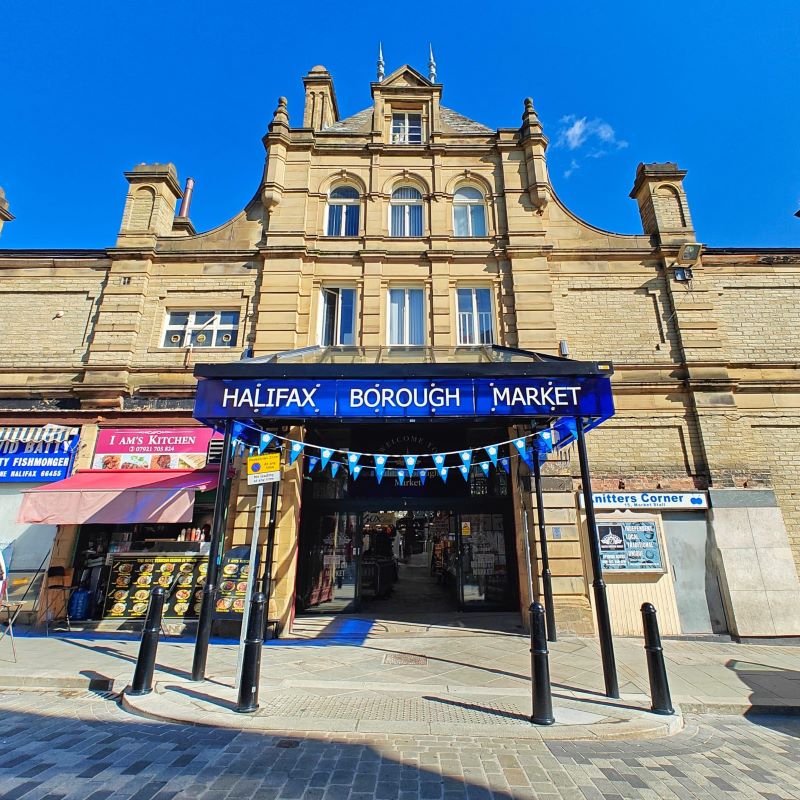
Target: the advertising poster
(36, 461)
(132, 579)
(152, 448)
(630, 546)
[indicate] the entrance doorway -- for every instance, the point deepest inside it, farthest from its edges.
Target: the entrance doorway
(406, 558)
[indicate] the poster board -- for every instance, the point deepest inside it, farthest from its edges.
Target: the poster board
(628, 546)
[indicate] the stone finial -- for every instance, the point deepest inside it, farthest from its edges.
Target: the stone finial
(431, 65)
(281, 115)
(381, 65)
(5, 214)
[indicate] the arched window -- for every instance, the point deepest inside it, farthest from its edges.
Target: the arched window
(344, 204)
(406, 212)
(469, 212)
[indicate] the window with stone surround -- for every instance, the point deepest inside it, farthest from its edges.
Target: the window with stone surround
(469, 212)
(338, 320)
(406, 128)
(201, 328)
(344, 205)
(474, 312)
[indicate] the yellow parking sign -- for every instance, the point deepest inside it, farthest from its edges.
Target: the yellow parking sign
(263, 469)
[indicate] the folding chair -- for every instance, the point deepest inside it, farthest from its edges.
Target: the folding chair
(11, 610)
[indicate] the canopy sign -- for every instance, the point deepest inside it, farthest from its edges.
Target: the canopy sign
(587, 396)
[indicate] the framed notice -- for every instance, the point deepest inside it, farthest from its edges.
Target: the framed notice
(630, 546)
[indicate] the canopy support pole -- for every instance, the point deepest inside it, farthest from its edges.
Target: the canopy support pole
(214, 553)
(600, 598)
(547, 583)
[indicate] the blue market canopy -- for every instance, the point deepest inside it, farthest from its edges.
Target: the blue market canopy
(418, 384)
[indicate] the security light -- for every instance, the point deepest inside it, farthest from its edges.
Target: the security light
(690, 253)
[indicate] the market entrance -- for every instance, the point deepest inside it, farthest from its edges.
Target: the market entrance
(414, 558)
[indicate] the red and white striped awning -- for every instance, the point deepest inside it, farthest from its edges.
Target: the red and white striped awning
(37, 433)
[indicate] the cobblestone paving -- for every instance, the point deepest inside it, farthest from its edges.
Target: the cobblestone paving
(81, 746)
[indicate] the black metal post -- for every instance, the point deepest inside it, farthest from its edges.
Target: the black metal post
(251, 662)
(540, 669)
(600, 599)
(212, 574)
(266, 580)
(547, 583)
(142, 682)
(656, 669)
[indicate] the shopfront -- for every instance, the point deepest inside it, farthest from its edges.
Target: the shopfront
(139, 518)
(407, 498)
(655, 547)
(30, 457)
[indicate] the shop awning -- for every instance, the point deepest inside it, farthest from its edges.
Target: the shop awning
(117, 497)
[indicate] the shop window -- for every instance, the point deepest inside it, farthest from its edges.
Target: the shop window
(338, 317)
(474, 310)
(201, 329)
(405, 210)
(469, 212)
(344, 205)
(406, 128)
(406, 317)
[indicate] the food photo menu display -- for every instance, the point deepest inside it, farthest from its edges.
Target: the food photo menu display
(232, 587)
(132, 579)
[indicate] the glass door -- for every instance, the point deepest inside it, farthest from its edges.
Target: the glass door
(484, 573)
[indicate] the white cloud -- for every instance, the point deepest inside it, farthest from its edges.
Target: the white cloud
(575, 132)
(572, 167)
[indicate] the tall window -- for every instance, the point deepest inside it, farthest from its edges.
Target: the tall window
(469, 212)
(201, 329)
(474, 316)
(338, 317)
(406, 212)
(406, 128)
(343, 210)
(406, 317)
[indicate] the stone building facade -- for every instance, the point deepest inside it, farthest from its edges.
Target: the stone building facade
(408, 194)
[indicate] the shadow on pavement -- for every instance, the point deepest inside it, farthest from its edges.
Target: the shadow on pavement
(770, 687)
(152, 759)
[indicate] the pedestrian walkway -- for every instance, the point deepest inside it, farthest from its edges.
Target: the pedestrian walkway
(420, 676)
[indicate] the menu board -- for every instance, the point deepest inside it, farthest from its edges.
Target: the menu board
(232, 586)
(133, 578)
(152, 448)
(630, 546)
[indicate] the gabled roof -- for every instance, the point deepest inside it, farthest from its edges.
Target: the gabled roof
(405, 76)
(452, 122)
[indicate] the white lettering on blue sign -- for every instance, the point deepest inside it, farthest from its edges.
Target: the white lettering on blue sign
(272, 397)
(536, 395)
(384, 397)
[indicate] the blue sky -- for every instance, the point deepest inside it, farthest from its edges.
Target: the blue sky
(92, 88)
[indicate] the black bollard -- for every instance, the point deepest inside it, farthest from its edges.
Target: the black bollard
(251, 662)
(145, 664)
(540, 669)
(657, 671)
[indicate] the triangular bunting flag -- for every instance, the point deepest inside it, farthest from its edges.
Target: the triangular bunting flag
(520, 445)
(485, 467)
(312, 462)
(506, 464)
(438, 459)
(352, 461)
(466, 458)
(411, 462)
(325, 455)
(423, 476)
(401, 476)
(295, 450)
(334, 468)
(380, 465)
(491, 451)
(266, 438)
(464, 470)
(443, 473)
(355, 472)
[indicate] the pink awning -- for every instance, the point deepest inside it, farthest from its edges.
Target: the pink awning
(117, 497)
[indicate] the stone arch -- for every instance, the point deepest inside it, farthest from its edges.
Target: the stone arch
(406, 178)
(142, 205)
(468, 178)
(342, 178)
(668, 207)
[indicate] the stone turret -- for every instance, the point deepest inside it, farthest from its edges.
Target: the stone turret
(5, 214)
(658, 189)
(150, 205)
(321, 109)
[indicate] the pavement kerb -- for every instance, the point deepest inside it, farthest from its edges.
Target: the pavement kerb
(637, 724)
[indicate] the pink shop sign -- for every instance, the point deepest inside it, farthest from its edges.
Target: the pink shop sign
(152, 448)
